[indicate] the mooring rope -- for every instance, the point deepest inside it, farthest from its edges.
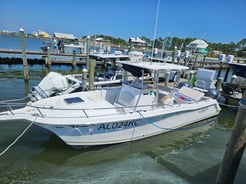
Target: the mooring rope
(12, 144)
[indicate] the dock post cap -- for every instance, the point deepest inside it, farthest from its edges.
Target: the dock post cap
(21, 30)
(88, 37)
(84, 70)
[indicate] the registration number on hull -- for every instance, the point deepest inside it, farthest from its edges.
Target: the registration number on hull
(117, 125)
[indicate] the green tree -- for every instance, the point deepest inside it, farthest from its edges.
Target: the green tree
(241, 48)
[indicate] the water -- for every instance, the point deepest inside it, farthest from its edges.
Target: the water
(188, 156)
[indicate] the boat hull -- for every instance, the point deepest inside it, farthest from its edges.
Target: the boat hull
(135, 126)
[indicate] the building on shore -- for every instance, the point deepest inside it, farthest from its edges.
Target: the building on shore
(136, 42)
(197, 47)
(67, 38)
(41, 34)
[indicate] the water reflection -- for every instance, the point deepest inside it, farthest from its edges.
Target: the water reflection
(226, 118)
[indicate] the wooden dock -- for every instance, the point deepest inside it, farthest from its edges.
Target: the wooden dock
(39, 53)
(68, 59)
(55, 58)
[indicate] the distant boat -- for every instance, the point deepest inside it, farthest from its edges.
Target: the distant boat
(136, 110)
(238, 69)
(233, 91)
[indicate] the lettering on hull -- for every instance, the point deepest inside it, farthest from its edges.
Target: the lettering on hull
(203, 110)
(117, 125)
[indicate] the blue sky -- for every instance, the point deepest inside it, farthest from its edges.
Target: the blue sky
(217, 21)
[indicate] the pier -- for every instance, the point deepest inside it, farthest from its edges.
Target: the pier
(64, 58)
(58, 58)
(18, 59)
(39, 53)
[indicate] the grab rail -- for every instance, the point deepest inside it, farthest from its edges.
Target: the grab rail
(84, 110)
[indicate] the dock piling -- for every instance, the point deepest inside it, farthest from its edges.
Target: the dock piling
(167, 78)
(204, 61)
(220, 69)
(174, 54)
(219, 83)
(48, 60)
(88, 52)
(84, 79)
(235, 147)
(74, 59)
(194, 64)
(92, 65)
(24, 58)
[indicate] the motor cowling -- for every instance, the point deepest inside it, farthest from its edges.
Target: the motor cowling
(212, 93)
(186, 84)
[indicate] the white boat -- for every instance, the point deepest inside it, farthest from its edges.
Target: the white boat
(133, 111)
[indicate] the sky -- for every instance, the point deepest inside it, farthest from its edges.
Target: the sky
(217, 21)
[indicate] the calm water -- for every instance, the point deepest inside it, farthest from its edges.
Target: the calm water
(191, 155)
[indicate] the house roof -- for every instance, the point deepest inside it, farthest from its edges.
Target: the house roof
(198, 43)
(64, 36)
(137, 40)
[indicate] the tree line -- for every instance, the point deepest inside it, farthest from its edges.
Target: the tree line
(168, 43)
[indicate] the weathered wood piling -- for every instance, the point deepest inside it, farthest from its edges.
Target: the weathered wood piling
(88, 52)
(74, 59)
(24, 58)
(235, 147)
(84, 79)
(167, 78)
(92, 65)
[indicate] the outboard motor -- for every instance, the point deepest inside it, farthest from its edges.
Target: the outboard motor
(212, 93)
(186, 84)
(215, 94)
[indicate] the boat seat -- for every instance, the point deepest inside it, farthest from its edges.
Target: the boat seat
(205, 78)
(128, 96)
(187, 95)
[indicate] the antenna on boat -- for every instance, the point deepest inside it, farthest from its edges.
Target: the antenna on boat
(164, 44)
(156, 21)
